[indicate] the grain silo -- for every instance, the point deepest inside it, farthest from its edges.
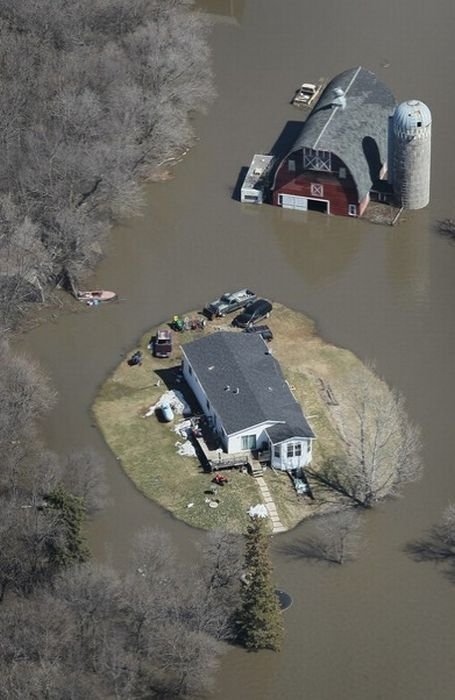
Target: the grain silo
(410, 152)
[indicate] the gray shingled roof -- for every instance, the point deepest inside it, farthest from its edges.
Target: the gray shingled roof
(242, 361)
(342, 131)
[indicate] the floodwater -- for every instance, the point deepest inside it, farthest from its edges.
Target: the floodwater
(382, 627)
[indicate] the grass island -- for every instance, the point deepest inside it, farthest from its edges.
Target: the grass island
(319, 376)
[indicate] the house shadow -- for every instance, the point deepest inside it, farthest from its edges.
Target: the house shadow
(372, 156)
(280, 148)
(238, 185)
(286, 139)
(172, 379)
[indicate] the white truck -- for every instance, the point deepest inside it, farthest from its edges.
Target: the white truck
(306, 94)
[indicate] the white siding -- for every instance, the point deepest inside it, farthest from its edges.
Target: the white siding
(198, 391)
(286, 463)
(262, 440)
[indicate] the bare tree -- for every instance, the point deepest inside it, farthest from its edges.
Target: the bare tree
(382, 445)
(106, 95)
(26, 397)
(83, 476)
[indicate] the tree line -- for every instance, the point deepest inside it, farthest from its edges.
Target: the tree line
(105, 97)
(95, 95)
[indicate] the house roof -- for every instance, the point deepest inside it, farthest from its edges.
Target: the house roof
(244, 383)
(358, 132)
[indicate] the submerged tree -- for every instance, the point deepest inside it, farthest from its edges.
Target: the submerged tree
(260, 623)
(439, 543)
(336, 539)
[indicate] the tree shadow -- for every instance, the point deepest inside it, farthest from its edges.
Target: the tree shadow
(446, 229)
(313, 549)
(434, 548)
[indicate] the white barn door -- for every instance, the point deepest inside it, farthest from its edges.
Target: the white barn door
(291, 201)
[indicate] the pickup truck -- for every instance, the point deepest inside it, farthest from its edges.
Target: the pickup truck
(306, 94)
(229, 302)
(161, 344)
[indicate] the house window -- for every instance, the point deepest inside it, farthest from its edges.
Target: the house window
(298, 449)
(291, 166)
(342, 173)
(352, 210)
(290, 449)
(280, 200)
(277, 451)
(248, 442)
(317, 190)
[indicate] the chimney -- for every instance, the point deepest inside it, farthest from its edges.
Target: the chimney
(339, 98)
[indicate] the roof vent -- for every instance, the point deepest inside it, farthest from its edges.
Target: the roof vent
(236, 390)
(212, 367)
(339, 98)
(227, 387)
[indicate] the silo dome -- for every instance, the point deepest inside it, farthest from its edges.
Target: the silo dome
(410, 116)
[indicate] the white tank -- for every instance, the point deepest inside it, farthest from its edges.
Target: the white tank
(410, 152)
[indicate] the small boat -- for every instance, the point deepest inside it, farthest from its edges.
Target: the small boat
(96, 296)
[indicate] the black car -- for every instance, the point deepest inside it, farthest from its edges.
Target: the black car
(263, 331)
(259, 309)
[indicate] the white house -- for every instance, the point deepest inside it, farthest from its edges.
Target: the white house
(241, 389)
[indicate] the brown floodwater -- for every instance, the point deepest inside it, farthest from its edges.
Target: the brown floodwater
(382, 627)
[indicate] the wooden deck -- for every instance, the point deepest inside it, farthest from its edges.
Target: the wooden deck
(217, 459)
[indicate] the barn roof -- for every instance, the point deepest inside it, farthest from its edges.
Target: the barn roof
(244, 383)
(357, 133)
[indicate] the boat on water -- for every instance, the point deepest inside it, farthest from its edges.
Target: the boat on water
(96, 296)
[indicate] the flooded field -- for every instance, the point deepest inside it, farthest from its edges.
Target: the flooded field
(382, 627)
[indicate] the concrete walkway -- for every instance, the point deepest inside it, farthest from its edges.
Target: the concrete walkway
(277, 525)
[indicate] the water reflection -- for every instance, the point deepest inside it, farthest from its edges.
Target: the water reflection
(407, 256)
(316, 245)
(226, 9)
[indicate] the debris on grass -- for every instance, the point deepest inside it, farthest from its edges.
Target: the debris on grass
(185, 449)
(258, 511)
(175, 400)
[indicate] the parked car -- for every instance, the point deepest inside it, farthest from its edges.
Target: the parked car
(229, 302)
(264, 331)
(261, 308)
(161, 343)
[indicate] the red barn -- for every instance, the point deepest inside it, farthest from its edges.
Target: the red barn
(340, 155)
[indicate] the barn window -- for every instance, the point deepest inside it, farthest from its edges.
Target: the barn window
(317, 160)
(317, 190)
(342, 173)
(291, 166)
(248, 442)
(352, 210)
